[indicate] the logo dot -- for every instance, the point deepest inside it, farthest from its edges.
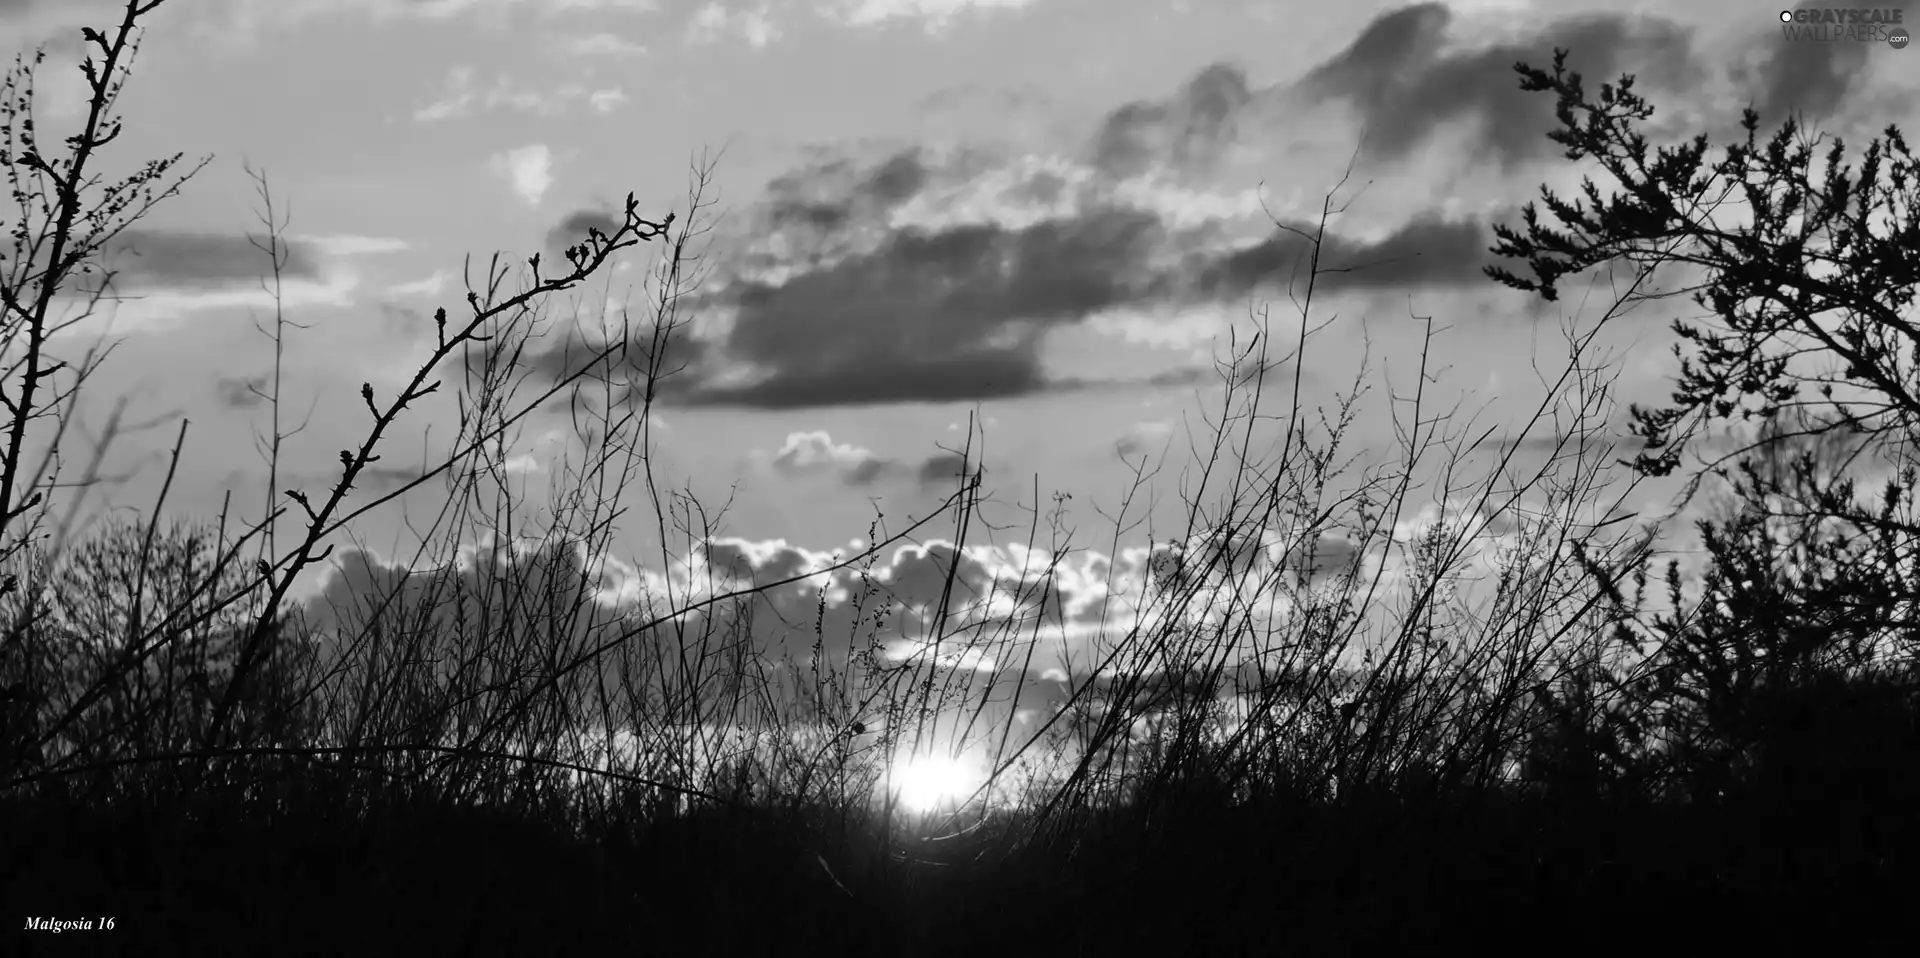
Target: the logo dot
(1786, 16)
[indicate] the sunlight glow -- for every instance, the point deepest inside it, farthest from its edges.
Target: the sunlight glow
(927, 783)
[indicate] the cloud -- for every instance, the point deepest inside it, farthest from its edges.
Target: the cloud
(1427, 251)
(529, 169)
(985, 375)
(573, 229)
(756, 25)
(1023, 624)
(816, 454)
(457, 101)
(934, 14)
(911, 274)
(1406, 80)
(521, 464)
(427, 286)
(944, 469)
(240, 393)
(1803, 77)
(244, 21)
(827, 196)
(602, 44)
(715, 21)
(1144, 439)
(631, 6)
(445, 9)
(382, 478)
(145, 259)
(959, 314)
(352, 245)
(361, 588)
(55, 22)
(607, 100)
(1189, 130)
(916, 276)
(157, 307)
(462, 98)
(929, 315)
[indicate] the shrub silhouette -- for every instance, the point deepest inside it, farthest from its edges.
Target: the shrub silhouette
(1788, 677)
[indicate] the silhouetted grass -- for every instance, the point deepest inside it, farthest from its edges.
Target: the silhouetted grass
(503, 762)
(1457, 875)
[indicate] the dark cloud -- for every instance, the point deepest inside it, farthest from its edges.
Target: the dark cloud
(1537, 445)
(931, 315)
(898, 179)
(1144, 439)
(840, 307)
(1187, 130)
(1248, 557)
(958, 314)
(1406, 86)
(1182, 567)
(945, 468)
(1369, 69)
(907, 379)
(756, 562)
(1044, 188)
(827, 196)
(572, 357)
(1802, 77)
(373, 478)
(869, 471)
(921, 573)
(1327, 553)
(240, 393)
(573, 229)
(165, 259)
(1429, 251)
(383, 478)
(404, 324)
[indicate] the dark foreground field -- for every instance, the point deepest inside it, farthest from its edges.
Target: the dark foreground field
(1467, 876)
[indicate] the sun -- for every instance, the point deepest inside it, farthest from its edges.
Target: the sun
(927, 783)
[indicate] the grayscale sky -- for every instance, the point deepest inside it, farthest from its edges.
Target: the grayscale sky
(1045, 213)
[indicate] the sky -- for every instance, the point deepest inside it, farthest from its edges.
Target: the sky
(1041, 216)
